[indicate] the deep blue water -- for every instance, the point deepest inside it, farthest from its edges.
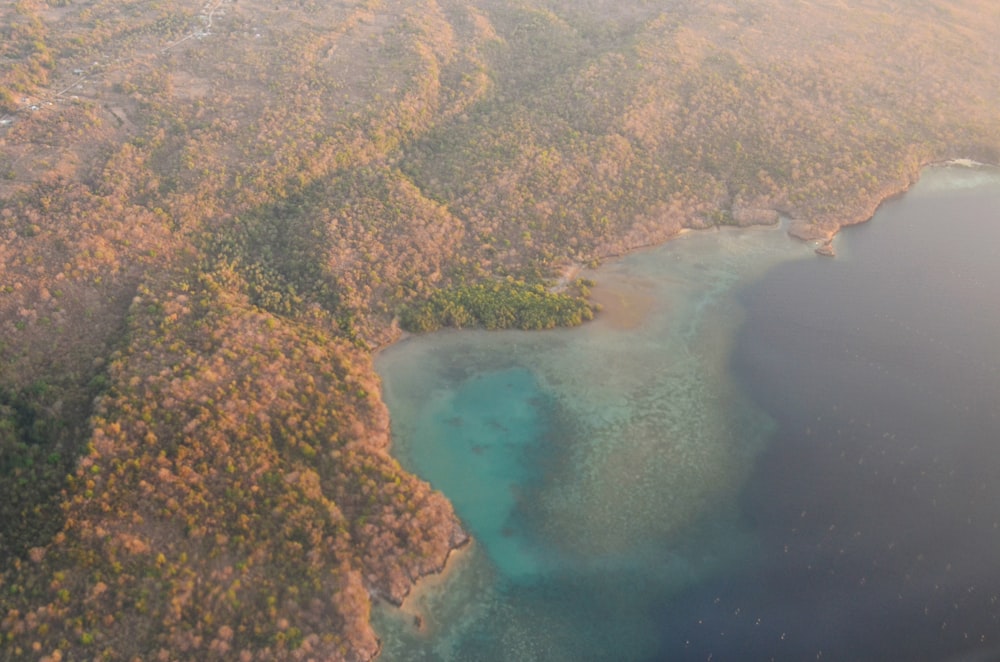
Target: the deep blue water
(877, 501)
(754, 454)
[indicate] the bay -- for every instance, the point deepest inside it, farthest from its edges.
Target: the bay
(752, 453)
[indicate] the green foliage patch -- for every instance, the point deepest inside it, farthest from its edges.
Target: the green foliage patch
(505, 304)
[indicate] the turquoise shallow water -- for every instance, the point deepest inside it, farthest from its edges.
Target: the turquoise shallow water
(716, 466)
(484, 440)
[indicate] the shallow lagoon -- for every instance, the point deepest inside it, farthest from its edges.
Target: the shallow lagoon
(661, 483)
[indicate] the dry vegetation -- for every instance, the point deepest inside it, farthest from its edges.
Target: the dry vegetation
(209, 213)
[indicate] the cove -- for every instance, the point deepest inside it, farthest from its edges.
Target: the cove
(661, 483)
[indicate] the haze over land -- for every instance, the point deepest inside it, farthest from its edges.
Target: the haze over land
(210, 215)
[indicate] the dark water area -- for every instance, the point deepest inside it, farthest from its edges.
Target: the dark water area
(876, 503)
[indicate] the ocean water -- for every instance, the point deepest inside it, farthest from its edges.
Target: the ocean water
(754, 453)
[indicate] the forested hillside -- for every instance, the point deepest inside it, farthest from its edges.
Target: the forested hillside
(212, 213)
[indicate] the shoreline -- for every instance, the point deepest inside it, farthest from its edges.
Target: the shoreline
(824, 233)
(821, 231)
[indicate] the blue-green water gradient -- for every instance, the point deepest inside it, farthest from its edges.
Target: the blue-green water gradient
(668, 482)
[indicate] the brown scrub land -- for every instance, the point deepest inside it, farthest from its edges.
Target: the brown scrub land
(212, 213)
